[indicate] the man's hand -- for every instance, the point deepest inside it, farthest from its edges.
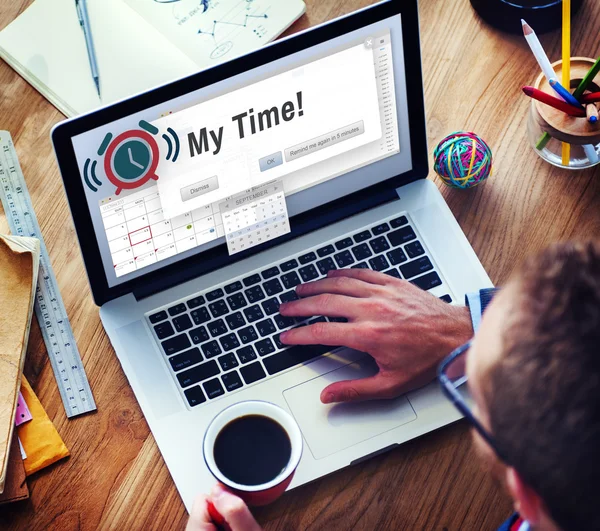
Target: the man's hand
(232, 509)
(407, 331)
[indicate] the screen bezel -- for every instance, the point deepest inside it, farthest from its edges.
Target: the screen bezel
(303, 223)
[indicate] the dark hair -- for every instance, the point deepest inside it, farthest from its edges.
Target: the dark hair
(544, 394)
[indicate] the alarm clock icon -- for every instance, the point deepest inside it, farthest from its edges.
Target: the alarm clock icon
(131, 160)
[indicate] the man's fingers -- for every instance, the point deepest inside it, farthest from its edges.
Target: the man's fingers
(331, 334)
(324, 304)
(234, 510)
(199, 518)
(340, 285)
(366, 275)
(374, 387)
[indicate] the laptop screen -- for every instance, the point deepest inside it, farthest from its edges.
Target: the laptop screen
(320, 124)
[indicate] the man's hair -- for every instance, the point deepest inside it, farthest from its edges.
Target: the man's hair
(544, 394)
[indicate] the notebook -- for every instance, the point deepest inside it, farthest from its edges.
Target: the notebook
(19, 263)
(139, 44)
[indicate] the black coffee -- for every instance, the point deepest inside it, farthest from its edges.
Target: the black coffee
(252, 450)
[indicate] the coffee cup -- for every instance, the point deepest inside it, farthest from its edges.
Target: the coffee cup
(253, 448)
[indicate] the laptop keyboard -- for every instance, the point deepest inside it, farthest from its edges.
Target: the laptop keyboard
(227, 338)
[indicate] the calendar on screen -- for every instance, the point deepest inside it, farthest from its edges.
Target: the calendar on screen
(254, 217)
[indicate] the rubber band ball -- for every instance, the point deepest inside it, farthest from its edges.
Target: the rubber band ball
(463, 160)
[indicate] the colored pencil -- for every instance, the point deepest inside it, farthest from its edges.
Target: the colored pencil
(589, 77)
(564, 93)
(548, 99)
(538, 51)
(592, 97)
(591, 154)
(591, 113)
(566, 68)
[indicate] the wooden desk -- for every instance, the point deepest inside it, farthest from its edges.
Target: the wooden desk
(116, 478)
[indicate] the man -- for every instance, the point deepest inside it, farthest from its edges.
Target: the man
(533, 371)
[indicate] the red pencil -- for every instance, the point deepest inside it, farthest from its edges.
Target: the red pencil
(590, 98)
(553, 102)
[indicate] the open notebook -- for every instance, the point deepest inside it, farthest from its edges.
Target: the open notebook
(139, 44)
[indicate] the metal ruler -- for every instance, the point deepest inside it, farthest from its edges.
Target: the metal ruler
(49, 307)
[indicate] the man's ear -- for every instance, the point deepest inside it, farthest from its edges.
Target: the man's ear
(527, 502)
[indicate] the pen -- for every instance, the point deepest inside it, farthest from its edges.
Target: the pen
(553, 102)
(84, 21)
(564, 93)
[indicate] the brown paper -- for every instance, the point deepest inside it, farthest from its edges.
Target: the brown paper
(19, 261)
(15, 488)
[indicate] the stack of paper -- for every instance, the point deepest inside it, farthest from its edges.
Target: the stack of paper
(19, 263)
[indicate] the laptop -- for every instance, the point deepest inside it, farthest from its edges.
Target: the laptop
(200, 205)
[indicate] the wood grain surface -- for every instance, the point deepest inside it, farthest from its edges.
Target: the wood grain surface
(116, 478)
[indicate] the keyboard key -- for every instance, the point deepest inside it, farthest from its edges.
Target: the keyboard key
(308, 273)
(325, 265)
(290, 280)
(236, 301)
(317, 320)
(253, 372)
(446, 298)
(393, 273)
(164, 330)
(324, 251)
(380, 229)
(265, 347)
(211, 349)
(195, 302)
(306, 258)
(199, 335)
(360, 265)
(283, 322)
(362, 236)
(272, 287)
(428, 281)
(270, 273)
(254, 294)
(361, 251)
(157, 317)
(232, 381)
(218, 308)
(195, 396)
(199, 373)
(289, 265)
(182, 323)
(251, 280)
(398, 222)
(414, 249)
(185, 359)
(337, 319)
(271, 306)
(416, 267)
(176, 344)
(277, 339)
(344, 244)
(379, 263)
(289, 296)
(397, 256)
(248, 334)
(254, 313)
(229, 342)
(379, 245)
(228, 361)
(214, 295)
(216, 328)
(266, 327)
(233, 287)
(400, 236)
(246, 354)
(235, 320)
(344, 259)
(200, 316)
(294, 356)
(176, 310)
(213, 388)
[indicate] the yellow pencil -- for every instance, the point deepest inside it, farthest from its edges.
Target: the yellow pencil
(566, 65)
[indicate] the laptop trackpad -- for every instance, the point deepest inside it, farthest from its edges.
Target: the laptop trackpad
(329, 428)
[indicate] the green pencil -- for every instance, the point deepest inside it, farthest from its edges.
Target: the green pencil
(589, 77)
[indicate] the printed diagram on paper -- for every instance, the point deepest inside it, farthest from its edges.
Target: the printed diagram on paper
(255, 217)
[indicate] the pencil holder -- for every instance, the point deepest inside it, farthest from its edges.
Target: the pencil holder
(548, 128)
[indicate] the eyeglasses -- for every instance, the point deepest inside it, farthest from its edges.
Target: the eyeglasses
(453, 379)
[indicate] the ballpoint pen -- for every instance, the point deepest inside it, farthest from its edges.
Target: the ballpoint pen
(84, 21)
